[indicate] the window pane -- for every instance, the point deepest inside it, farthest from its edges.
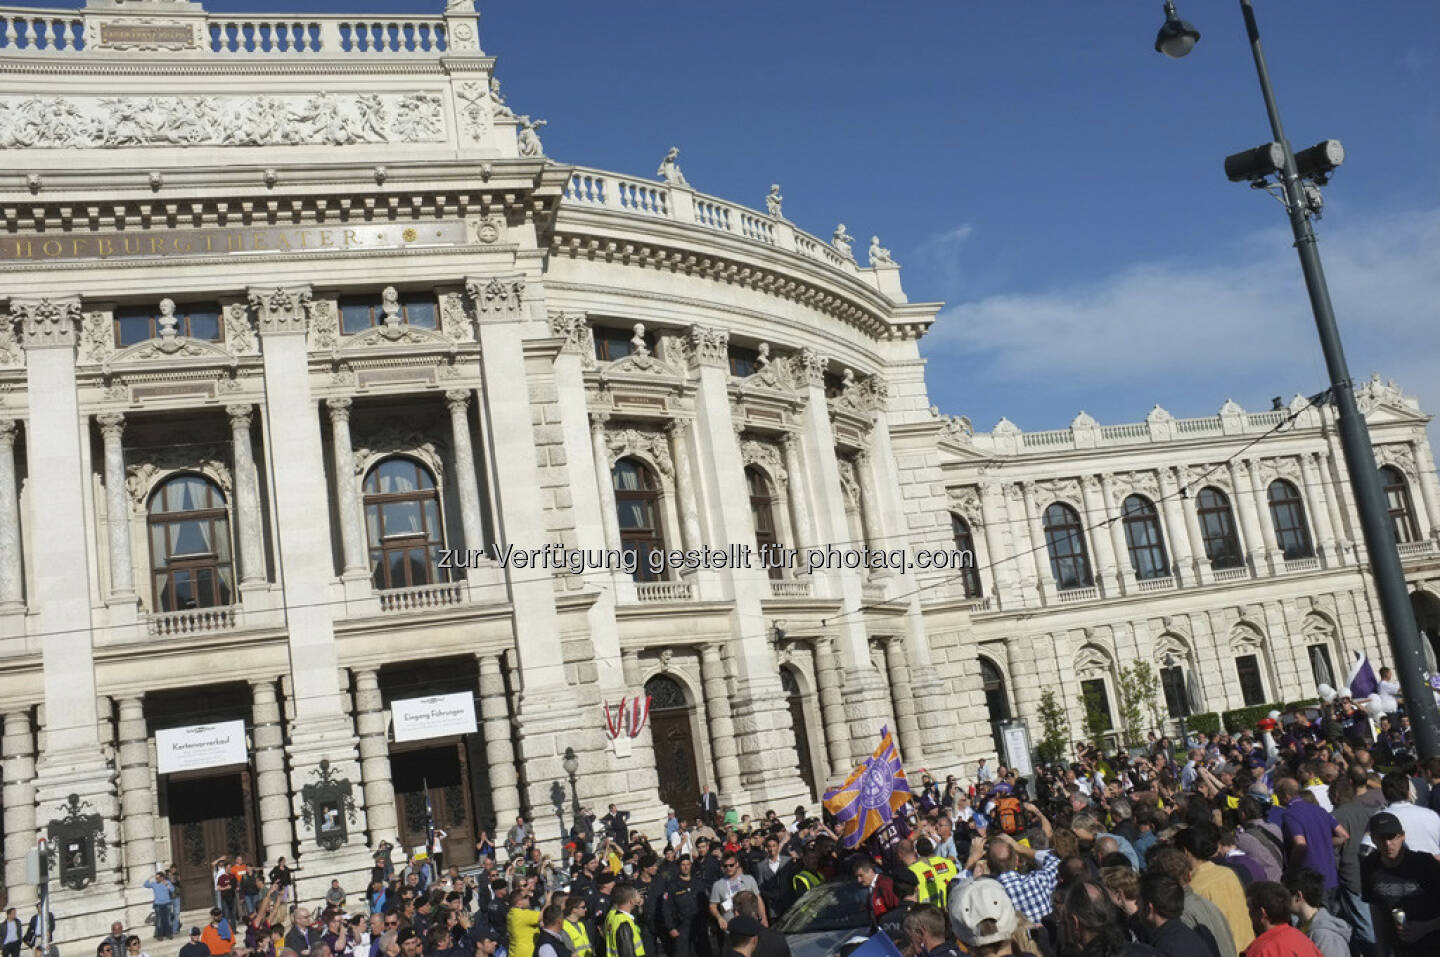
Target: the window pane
(631, 514)
(182, 587)
(1320, 665)
(355, 317)
(1094, 691)
(204, 587)
(627, 476)
(220, 539)
(131, 326)
(1252, 689)
(396, 562)
(372, 523)
(401, 518)
(420, 312)
(1173, 681)
(204, 324)
(419, 566)
(432, 518)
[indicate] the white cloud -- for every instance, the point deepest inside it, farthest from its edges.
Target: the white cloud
(1246, 316)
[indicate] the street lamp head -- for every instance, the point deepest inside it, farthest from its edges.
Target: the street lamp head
(570, 762)
(1176, 37)
(1320, 160)
(1253, 166)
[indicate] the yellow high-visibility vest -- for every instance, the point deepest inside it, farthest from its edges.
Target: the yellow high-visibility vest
(613, 920)
(579, 939)
(927, 888)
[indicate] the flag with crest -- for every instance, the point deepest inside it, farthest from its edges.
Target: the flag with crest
(870, 796)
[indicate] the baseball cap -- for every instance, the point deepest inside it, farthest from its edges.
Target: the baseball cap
(977, 901)
(405, 934)
(1385, 824)
(743, 926)
(492, 933)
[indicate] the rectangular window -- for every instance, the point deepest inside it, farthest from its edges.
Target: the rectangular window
(359, 313)
(743, 362)
(1252, 688)
(616, 342)
(1097, 699)
(195, 320)
(1173, 681)
(1320, 665)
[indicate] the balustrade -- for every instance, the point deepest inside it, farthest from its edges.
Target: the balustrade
(192, 621)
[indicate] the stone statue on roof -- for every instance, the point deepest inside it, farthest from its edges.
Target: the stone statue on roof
(669, 170)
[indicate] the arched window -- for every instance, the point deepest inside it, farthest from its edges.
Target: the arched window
(637, 509)
(665, 694)
(1397, 500)
(1287, 512)
(190, 559)
(965, 544)
(1217, 529)
(763, 505)
(1142, 536)
(402, 518)
(1065, 540)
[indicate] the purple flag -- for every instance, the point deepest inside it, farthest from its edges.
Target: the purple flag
(1363, 682)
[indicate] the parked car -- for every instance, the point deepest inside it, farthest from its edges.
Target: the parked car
(825, 917)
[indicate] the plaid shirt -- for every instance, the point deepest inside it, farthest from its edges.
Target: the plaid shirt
(1030, 893)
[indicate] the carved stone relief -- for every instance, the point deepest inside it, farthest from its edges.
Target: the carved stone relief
(966, 502)
(142, 477)
(398, 438)
(1401, 457)
(319, 119)
(651, 444)
(767, 456)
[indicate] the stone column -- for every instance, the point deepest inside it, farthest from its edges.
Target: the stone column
(20, 831)
(1319, 511)
(869, 508)
(1045, 583)
(1332, 505)
(1096, 493)
(795, 495)
(1190, 506)
(1177, 528)
(604, 479)
(689, 509)
(12, 578)
(247, 497)
(471, 520)
(117, 508)
(374, 755)
(994, 520)
(137, 824)
(499, 748)
(722, 725)
(347, 493)
(277, 834)
(1425, 470)
(1262, 510)
(832, 706)
(1244, 497)
(901, 694)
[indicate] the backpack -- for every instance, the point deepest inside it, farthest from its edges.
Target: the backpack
(1009, 815)
(248, 885)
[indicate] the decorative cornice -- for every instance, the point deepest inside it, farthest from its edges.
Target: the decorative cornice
(112, 425)
(457, 401)
(47, 323)
(281, 310)
(240, 413)
(339, 408)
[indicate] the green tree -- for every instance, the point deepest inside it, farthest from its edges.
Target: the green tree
(1097, 719)
(1139, 698)
(1054, 730)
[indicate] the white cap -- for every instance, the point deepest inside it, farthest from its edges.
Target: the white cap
(976, 901)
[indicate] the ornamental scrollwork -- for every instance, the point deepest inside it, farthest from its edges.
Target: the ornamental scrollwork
(326, 805)
(141, 478)
(767, 457)
(966, 503)
(319, 119)
(396, 438)
(650, 444)
(77, 842)
(1397, 456)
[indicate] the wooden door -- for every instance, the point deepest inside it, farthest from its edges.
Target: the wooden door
(443, 774)
(675, 761)
(210, 816)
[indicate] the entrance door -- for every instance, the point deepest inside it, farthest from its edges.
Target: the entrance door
(802, 733)
(210, 817)
(675, 762)
(443, 771)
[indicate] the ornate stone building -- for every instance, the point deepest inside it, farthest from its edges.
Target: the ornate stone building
(301, 332)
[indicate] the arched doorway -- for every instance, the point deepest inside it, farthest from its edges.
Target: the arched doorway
(675, 764)
(997, 700)
(796, 701)
(1427, 619)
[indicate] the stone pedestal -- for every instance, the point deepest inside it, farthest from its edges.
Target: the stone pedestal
(73, 786)
(325, 769)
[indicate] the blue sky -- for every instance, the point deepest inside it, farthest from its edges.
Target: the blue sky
(1039, 168)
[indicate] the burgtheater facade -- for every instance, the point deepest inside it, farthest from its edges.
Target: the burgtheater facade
(301, 334)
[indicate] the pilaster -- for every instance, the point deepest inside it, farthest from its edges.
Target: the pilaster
(347, 491)
(457, 402)
(370, 725)
(277, 833)
(12, 576)
(19, 799)
(253, 573)
(117, 508)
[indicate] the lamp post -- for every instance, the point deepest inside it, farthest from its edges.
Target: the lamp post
(571, 764)
(1176, 38)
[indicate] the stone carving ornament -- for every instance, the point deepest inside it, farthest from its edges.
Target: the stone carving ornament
(1401, 457)
(651, 444)
(709, 345)
(477, 108)
(142, 478)
(879, 256)
(1126, 484)
(1091, 662)
(319, 119)
(1376, 392)
(966, 501)
(77, 838)
(46, 322)
(843, 242)
(767, 457)
(528, 137)
(10, 352)
(669, 170)
(773, 199)
(398, 438)
(1273, 468)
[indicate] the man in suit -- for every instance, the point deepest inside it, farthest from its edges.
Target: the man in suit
(32, 930)
(14, 934)
(709, 805)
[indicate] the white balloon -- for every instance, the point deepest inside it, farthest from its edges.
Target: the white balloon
(1327, 693)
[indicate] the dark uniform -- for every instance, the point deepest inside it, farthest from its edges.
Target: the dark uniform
(683, 910)
(650, 918)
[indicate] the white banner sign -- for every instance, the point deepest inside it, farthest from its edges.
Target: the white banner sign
(416, 719)
(201, 746)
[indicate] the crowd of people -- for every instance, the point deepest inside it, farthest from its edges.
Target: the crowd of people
(1313, 835)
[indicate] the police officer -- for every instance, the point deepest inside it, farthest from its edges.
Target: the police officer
(622, 934)
(944, 868)
(652, 890)
(599, 904)
(682, 913)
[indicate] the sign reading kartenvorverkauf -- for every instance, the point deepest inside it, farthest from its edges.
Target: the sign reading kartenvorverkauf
(434, 716)
(200, 746)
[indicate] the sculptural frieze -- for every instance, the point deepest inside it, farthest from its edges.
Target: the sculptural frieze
(318, 119)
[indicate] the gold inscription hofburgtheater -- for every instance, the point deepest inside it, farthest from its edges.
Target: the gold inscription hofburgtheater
(228, 241)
